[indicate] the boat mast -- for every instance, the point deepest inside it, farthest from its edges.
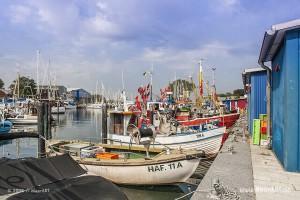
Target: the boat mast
(151, 82)
(213, 87)
(37, 73)
(96, 95)
(200, 78)
(18, 94)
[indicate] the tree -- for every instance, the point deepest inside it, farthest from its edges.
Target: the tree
(238, 92)
(182, 85)
(27, 86)
(1, 84)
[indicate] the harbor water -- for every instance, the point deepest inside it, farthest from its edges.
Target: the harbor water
(84, 124)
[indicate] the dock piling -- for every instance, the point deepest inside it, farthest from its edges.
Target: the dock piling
(104, 123)
(44, 127)
(41, 128)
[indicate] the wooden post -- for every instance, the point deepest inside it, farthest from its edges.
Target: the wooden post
(41, 128)
(104, 123)
(49, 121)
(45, 120)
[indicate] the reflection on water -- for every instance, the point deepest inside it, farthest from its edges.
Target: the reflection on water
(18, 148)
(84, 124)
(78, 124)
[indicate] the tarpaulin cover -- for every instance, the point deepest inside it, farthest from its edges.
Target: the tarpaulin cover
(53, 178)
(84, 187)
(31, 172)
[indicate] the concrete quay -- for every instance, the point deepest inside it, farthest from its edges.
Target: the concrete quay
(246, 171)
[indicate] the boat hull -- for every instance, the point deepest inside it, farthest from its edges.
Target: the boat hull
(24, 122)
(156, 174)
(58, 110)
(70, 106)
(227, 120)
(95, 106)
(5, 126)
(209, 141)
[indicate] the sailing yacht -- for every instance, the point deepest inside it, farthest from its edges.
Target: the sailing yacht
(97, 105)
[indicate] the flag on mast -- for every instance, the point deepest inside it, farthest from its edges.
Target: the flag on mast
(200, 79)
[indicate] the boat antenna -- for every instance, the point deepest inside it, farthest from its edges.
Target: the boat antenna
(123, 84)
(151, 82)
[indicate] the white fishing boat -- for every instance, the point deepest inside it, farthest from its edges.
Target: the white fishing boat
(209, 139)
(169, 167)
(24, 119)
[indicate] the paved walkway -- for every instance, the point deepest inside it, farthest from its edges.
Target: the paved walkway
(234, 172)
(271, 182)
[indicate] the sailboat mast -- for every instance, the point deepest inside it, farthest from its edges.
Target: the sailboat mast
(37, 72)
(18, 94)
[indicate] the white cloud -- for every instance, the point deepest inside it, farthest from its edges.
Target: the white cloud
(226, 6)
(100, 25)
(230, 3)
(181, 58)
(19, 13)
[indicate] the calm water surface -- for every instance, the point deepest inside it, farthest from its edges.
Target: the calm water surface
(85, 125)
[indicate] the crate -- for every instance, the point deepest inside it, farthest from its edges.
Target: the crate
(90, 152)
(75, 148)
(256, 132)
(263, 117)
(107, 156)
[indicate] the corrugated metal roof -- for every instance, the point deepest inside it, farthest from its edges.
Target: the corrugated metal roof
(273, 38)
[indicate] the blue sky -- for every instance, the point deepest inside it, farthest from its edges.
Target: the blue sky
(92, 40)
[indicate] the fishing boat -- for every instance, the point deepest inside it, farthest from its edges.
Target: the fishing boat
(169, 167)
(24, 119)
(227, 120)
(208, 138)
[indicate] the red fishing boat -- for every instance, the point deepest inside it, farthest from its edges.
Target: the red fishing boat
(227, 120)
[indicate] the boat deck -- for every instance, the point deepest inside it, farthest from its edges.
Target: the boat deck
(111, 146)
(175, 155)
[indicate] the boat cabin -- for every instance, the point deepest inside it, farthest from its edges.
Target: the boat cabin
(119, 122)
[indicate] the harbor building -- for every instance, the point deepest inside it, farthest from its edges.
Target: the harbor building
(280, 47)
(255, 83)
